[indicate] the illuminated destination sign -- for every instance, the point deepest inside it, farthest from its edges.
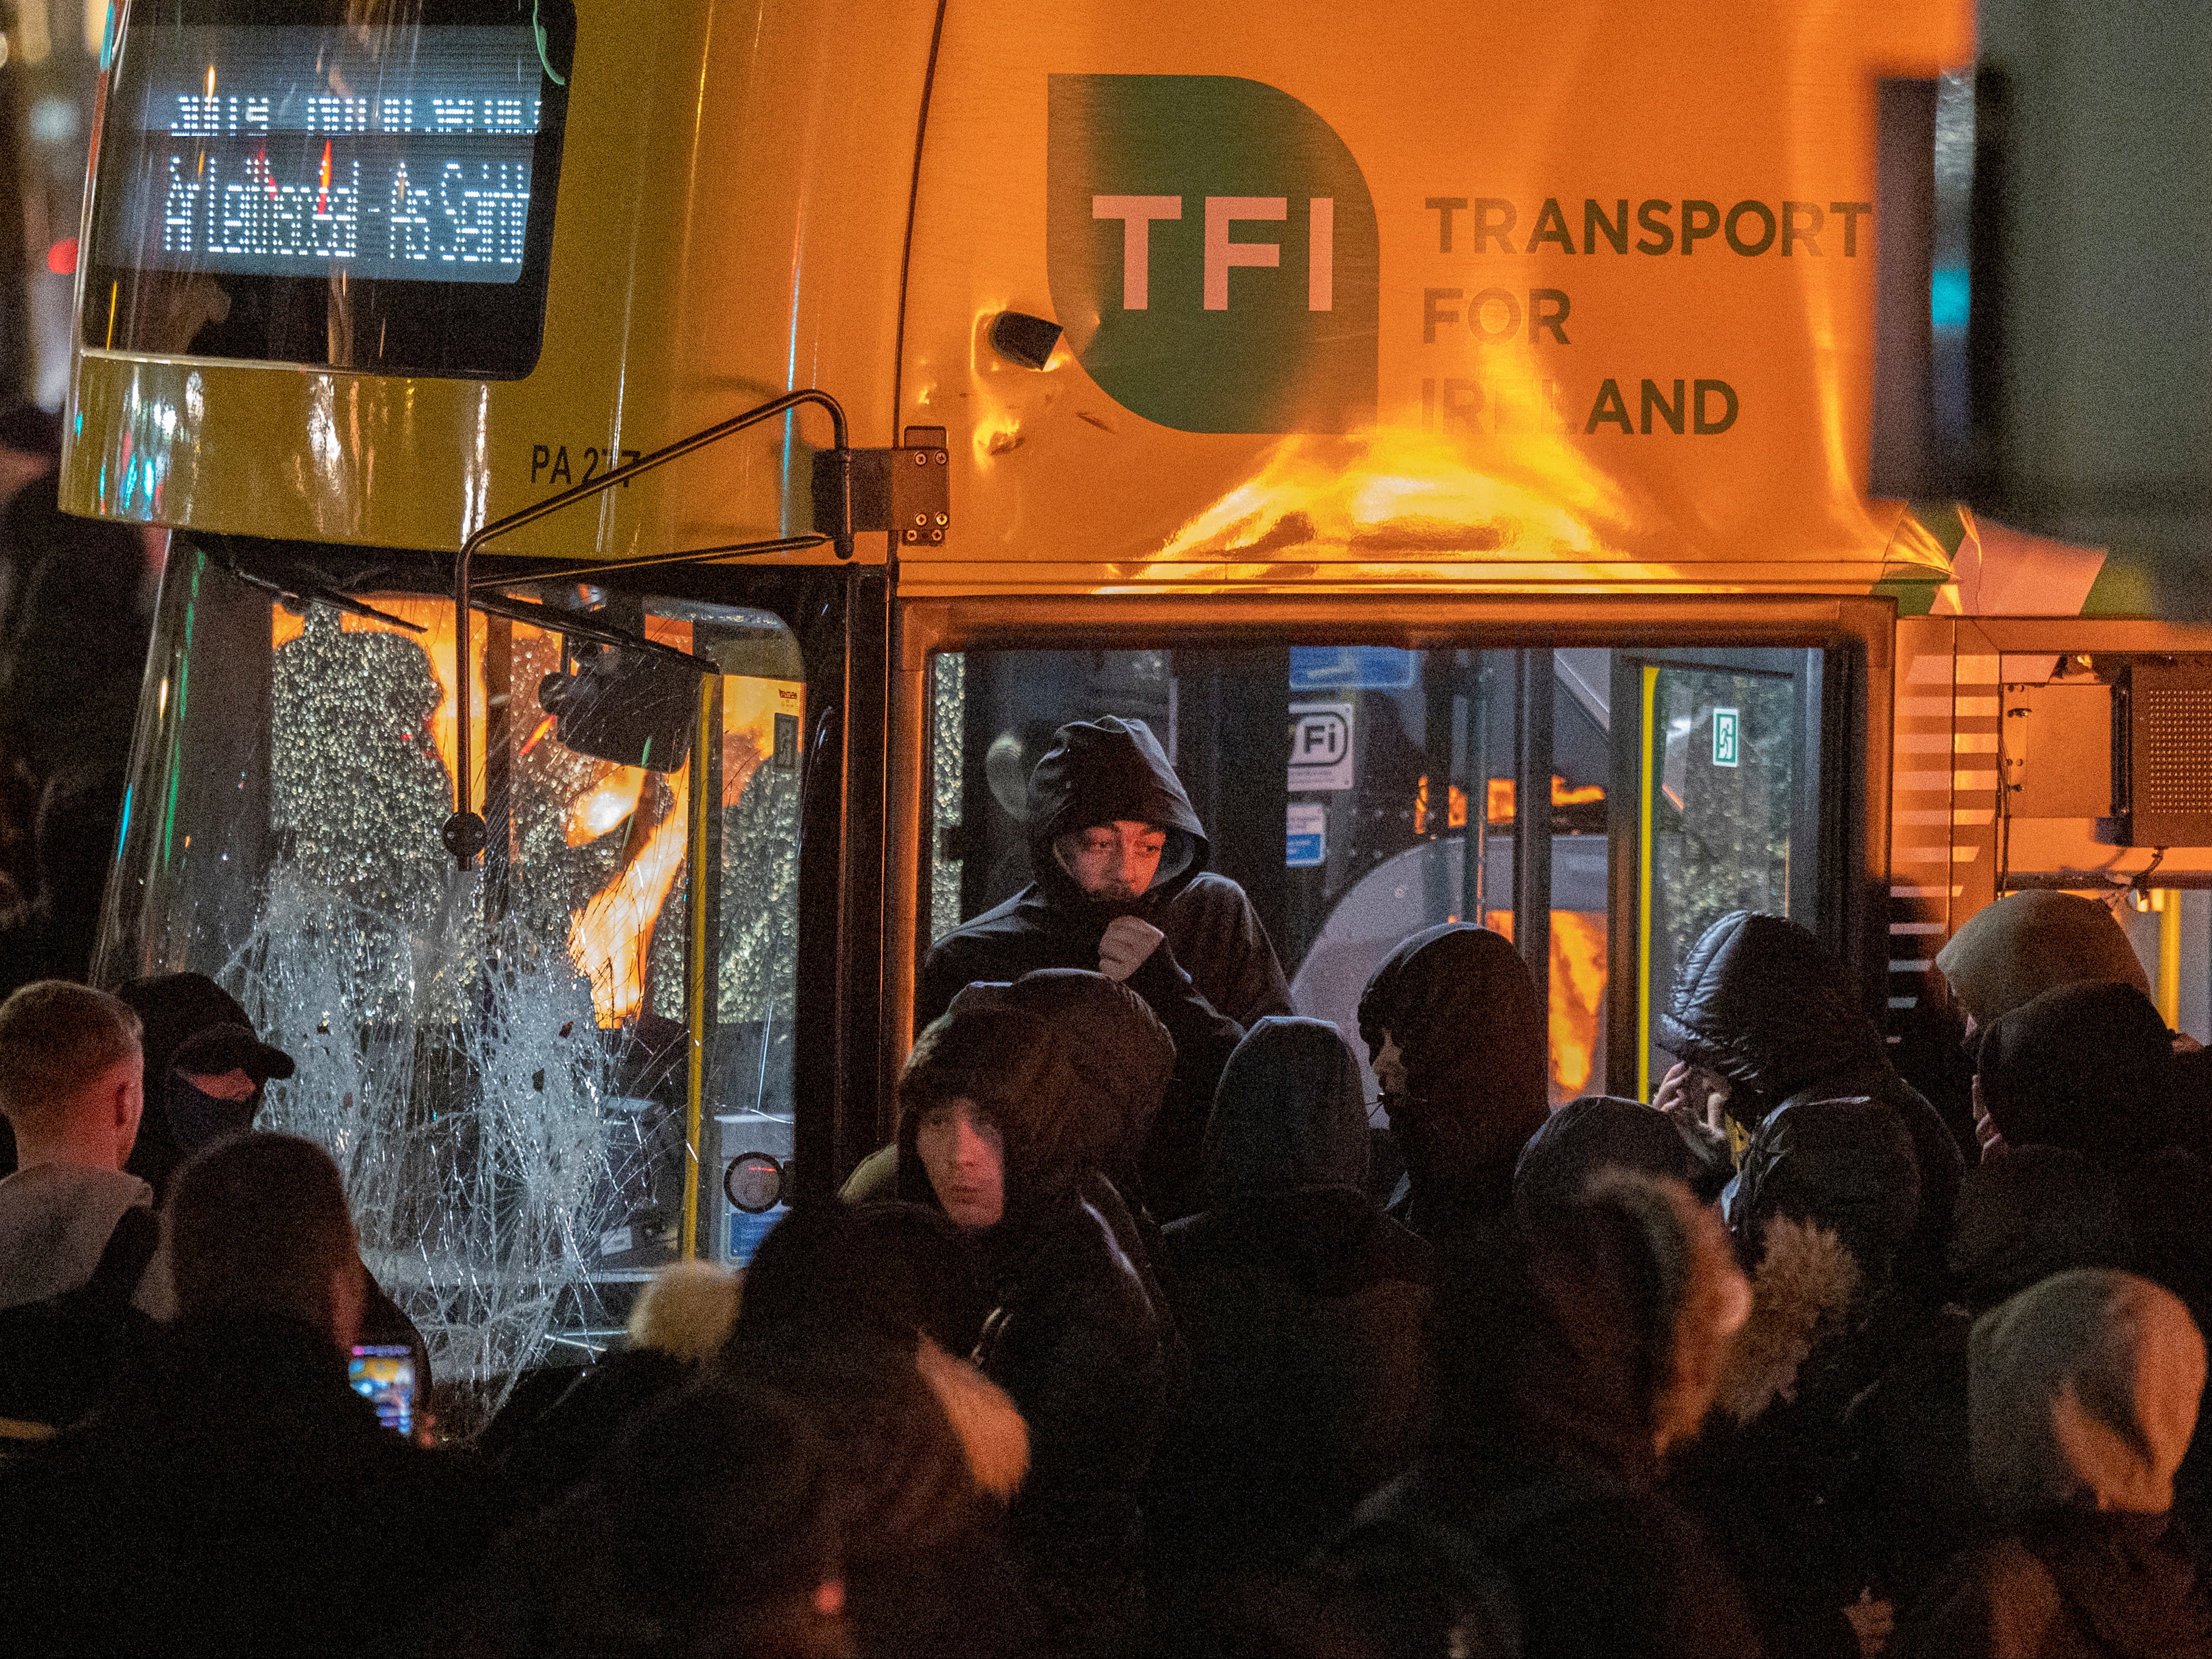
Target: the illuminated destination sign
(293, 151)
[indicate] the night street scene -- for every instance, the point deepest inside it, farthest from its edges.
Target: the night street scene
(1182, 829)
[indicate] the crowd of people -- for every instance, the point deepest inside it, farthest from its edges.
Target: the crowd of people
(1150, 1334)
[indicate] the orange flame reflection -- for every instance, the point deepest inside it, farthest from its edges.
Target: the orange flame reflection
(1499, 800)
(609, 937)
(1393, 493)
(1577, 999)
(1578, 994)
(1499, 805)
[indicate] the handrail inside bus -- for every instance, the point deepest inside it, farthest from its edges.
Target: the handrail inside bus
(463, 834)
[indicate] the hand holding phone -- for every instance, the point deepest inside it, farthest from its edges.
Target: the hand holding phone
(384, 1375)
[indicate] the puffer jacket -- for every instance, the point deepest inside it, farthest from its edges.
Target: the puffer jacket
(1760, 1002)
(1074, 1340)
(1216, 969)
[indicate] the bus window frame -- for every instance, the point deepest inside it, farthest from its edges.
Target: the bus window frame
(1860, 629)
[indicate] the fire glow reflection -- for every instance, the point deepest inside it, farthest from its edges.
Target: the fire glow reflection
(610, 934)
(605, 806)
(1578, 995)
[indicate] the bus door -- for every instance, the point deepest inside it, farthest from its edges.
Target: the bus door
(1717, 773)
(1598, 803)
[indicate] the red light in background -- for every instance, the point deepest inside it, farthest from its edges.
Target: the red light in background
(61, 258)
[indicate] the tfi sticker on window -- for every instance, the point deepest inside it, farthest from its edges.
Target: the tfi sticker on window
(1308, 843)
(1321, 746)
(1727, 737)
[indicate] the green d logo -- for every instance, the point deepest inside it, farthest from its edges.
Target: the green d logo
(1213, 253)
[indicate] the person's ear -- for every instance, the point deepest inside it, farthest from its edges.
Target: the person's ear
(130, 1110)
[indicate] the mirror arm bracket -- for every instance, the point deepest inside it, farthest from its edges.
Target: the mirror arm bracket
(465, 834)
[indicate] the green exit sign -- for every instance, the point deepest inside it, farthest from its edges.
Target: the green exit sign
(1728, 732)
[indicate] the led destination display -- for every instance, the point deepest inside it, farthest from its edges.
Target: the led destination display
(273, 151)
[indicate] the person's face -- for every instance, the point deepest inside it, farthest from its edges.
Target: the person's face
(1115, 860)
(1389, 1067)
(966, 1162)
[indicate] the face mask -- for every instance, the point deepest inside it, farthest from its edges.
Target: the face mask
(196, 1117)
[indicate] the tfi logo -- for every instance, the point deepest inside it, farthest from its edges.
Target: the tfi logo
(1175, 299)
(1137, 214)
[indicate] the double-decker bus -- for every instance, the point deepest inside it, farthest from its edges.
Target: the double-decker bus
(644, 484)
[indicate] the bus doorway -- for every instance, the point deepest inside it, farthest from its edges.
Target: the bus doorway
(1716, 757)
(1598, 803)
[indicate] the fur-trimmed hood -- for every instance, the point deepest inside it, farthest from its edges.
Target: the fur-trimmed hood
(983, 1415)
(1805, 1294)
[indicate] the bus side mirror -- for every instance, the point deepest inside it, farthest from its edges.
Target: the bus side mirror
(628, 707)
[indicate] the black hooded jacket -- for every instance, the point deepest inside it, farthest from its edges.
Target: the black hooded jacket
(1834, 1129)
(1072, 1336)
(1468, 1022)
(1303, 1311)
(1216, 971)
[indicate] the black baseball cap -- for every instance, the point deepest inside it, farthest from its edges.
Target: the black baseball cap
(227, 1048)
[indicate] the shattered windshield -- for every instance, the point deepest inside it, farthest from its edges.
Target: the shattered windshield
(501, 1061)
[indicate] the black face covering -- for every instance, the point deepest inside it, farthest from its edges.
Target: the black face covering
(196, 1117)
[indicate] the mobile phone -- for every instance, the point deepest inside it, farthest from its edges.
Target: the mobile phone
(384, 1375)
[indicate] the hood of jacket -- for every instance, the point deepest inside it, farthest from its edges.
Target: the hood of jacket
(1289, 1112)
(1557, 1341)
(1760, 1001)
(1846, 1165)
(1465, 1014)
(1012, 1064)
(1121, 1054)
(1101, 772)
(1587, 1136)
(2088, 1066)
(911, 1482)
(2081, 1394)
(892, 1268)
(1805, 1291)
(2013, 951)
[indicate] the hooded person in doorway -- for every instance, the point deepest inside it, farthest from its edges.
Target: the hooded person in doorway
(1455, 1030)
(1305, 1311)
(1120, 885)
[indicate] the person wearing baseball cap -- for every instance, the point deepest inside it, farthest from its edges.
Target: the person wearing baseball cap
(215, 1084)
(212, 1089)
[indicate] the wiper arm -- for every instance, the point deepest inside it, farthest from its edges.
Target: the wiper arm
(583, 625)
(308, 594)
